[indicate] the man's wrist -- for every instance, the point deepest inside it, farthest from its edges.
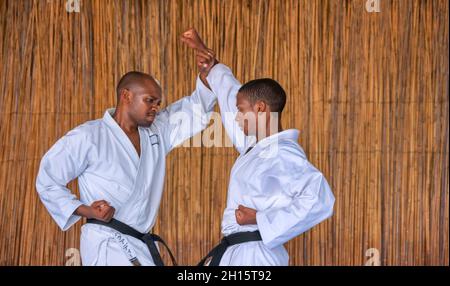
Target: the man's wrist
(204, 74)
(84, 211)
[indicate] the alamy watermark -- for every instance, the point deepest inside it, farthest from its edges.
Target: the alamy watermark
(73, 257)
(73, 6)
(373, 255)
(244, 130)
(373, 6)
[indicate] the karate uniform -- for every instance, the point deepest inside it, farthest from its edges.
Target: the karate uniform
(108, 167)
(275, 178)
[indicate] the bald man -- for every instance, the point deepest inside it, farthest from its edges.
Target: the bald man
(119, 161)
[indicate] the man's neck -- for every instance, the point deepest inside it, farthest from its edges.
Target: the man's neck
(124, 121)
(270, 132)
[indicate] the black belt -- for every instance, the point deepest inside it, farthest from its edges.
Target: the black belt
(218, 251)
(148, 238)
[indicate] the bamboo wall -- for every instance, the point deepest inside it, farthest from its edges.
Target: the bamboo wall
(369, 92)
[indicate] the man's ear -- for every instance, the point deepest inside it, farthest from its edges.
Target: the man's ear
(261, 106)
(125, 95)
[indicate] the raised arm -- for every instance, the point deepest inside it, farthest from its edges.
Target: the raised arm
(224, 85)
(191, 114)
(187, 116)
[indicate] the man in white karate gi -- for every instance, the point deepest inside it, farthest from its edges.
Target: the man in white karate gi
(275, 193)
(119, 161)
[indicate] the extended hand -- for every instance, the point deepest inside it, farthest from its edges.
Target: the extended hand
(206, 58)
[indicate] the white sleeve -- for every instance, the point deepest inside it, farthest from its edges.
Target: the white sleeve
(58, 167)
(226, 86)
(187, 116)
(312, 202)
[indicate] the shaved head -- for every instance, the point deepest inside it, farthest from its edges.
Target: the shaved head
(138, 98)
(133, 79)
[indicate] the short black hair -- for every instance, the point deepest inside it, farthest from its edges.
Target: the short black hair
(267, 90)
(130, 79)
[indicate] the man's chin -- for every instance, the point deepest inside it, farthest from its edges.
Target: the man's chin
(146, 123)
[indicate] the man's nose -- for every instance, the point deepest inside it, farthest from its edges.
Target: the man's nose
(155, 107)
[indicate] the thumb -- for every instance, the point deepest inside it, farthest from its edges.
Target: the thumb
(99, 203)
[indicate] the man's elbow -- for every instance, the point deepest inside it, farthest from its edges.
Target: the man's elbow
(329, 208)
